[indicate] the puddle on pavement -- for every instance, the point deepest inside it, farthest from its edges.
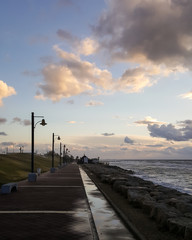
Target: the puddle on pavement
(108, 224)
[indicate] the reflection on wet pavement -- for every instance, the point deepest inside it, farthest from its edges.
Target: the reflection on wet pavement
(108, 224)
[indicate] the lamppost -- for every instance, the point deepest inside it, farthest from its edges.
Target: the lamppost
(60, 153)
(64, 153)
(67, 156)
(32, 176)
(53, 143)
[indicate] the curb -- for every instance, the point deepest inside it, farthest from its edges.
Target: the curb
(124, 218)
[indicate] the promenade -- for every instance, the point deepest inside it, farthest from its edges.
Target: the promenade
(53, 207)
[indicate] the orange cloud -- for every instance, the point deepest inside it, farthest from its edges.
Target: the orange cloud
(5, 91)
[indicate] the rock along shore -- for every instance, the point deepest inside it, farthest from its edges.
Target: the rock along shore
(154, 211)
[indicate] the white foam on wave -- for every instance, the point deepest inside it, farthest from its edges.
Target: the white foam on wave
(169, 173)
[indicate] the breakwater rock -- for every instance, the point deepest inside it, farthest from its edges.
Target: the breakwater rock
(170, 209)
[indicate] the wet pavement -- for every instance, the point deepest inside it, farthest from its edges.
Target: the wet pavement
(56, 207)
(108, 224)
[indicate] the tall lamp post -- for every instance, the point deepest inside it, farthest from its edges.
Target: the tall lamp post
(53, 151)
(64, 154)
(32, 176)
(67, 151)
(60, 153)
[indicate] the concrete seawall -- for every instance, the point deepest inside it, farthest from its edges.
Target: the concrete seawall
(154, 211)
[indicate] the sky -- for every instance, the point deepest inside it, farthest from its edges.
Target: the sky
(111, 78)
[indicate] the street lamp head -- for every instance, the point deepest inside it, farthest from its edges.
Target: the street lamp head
(43, 123)
(58, 138)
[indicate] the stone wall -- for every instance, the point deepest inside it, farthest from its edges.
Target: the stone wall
(171, 209)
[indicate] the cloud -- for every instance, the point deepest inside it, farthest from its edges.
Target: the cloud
(185, 123)
(107, 134)
(23, 144)
(60, 82)
(3, 120)
(123, 149)
(67, 36)
(16, 120)
(166, 131)
(87, 72)
(154, 37)
(94, 103)
(128, 140)
(134, 80)
(24, 122)
(71, 122)
(155, 146)
(147, 31)
(3, 134)
(5, 91)
(186, 152)
(182, 152)
(6, 144)
(170, 132)
(187, 95)
(148, 120)
(71, 77)
(87, 47)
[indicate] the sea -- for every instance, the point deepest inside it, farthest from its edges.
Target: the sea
(175, 174)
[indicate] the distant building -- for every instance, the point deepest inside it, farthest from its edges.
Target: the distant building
(86, 160)
(83, 159)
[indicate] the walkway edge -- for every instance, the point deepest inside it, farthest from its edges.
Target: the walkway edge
(130, 226)
(91, 219)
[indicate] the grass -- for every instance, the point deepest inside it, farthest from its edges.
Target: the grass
(15, 167)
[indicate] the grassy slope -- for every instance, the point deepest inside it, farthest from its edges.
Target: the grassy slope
(16, 166)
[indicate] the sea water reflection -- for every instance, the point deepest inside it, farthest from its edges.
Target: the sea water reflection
(108, 224)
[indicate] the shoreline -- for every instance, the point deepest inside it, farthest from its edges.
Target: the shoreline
(152, 211)
(168, 173)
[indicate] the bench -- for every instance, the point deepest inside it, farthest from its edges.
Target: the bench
(9, 188)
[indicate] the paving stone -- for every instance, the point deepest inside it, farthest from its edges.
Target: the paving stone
(53, 207)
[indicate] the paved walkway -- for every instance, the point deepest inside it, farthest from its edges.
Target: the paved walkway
(53, 207)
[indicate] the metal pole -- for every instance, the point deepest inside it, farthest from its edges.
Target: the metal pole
(32, 142)
(63, 153)
(60, 153)
(53, 151)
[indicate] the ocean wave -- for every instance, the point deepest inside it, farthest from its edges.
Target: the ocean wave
(170, 173)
